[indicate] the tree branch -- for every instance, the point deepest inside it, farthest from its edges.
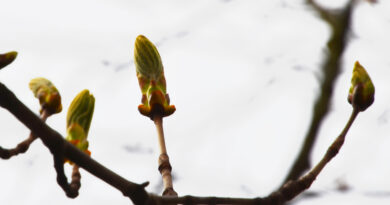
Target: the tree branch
(60, 147)
(136, 192)
(339, 23)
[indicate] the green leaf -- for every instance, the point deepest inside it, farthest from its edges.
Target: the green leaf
(147, 59)
(47, 93)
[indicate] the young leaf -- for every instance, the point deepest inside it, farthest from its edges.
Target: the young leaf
(79, 119)
(47, 93)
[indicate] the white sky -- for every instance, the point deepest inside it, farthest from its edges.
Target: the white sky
(242, 75)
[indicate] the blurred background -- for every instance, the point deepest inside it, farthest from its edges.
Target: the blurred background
(243, 76)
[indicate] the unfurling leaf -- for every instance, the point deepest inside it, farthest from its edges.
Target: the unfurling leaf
(79, 119)
(7, 58)
(362, 91)
(147, 59)
(48, 95)
(150, 74)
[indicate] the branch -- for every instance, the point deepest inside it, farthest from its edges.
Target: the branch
(287, 192)
(60, 147)
(23, 146)
(70, 191)
(136, 192)
(339, 23)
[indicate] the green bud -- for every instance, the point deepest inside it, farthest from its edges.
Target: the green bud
(362, 91)
(48, 95)
(150, 74)
(79, 119)
(147, 59)
(7, 58)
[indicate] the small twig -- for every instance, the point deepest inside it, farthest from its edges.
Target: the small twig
(23, 146)
(71, 189)
(336, 145)
(76, 178)
(294, 187)
(62, 180)
(164, 166)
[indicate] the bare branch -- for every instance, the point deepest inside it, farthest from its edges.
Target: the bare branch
(339, 22)
(136, 192)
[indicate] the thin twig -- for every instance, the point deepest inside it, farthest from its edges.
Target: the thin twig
(294, 187)
(23, 146)
(62, 180)
(76, 178)
(164, 166)
(71, 189)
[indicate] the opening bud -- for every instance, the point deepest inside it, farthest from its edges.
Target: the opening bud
(150, 74)
(147, 59)
(48, 95)
(79, 119)
(7, 58)
(362, 91)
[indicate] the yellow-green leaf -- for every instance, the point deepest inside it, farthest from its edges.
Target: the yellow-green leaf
(81, 111)
(47, 93)
(147, 59)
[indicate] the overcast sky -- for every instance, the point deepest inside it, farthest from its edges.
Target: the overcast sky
(243, 76)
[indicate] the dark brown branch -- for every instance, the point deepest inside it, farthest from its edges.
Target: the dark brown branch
(136, 192)
(62, 180)
(60, 147)
(23, 146)
(339, 22)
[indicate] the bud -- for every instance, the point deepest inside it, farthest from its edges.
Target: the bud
(150, 74)
(361, 93)
(79, 119)
(147, 59)
(48, 95)
(7, 58)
